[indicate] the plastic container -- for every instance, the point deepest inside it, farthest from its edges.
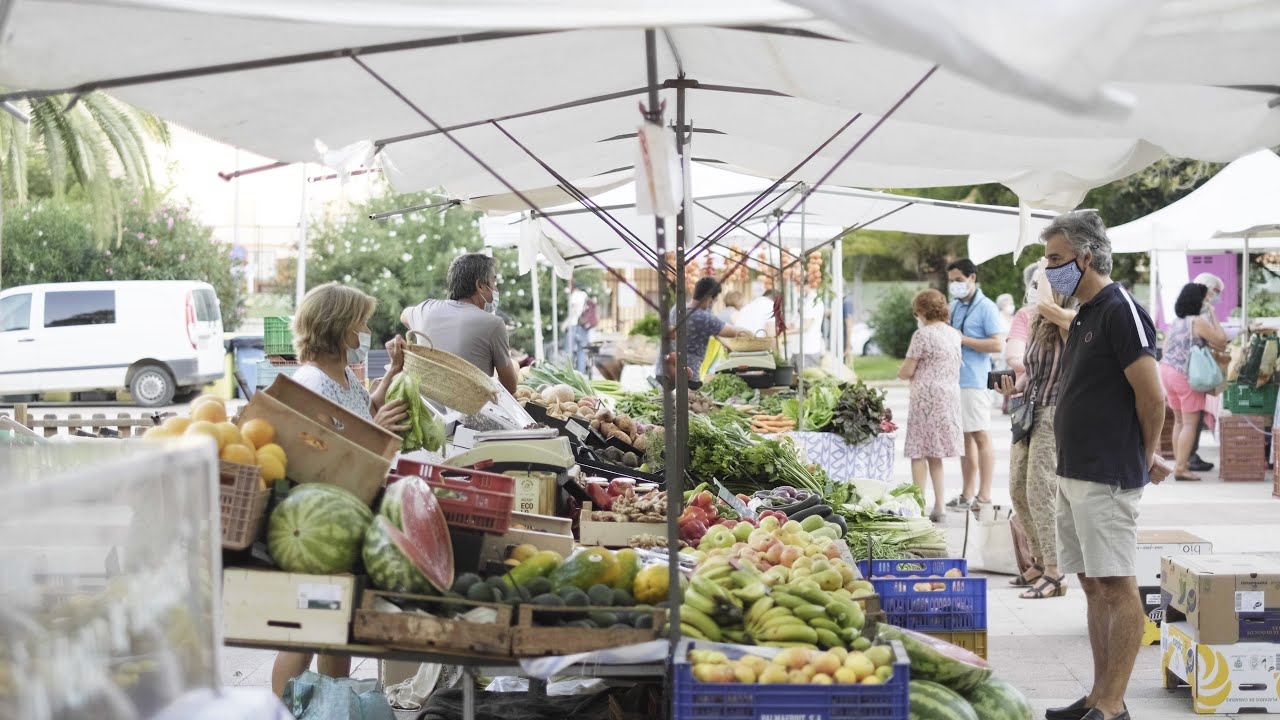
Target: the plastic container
(740, 701)
(277, 335)
(471, 499)
(243, 501)
(948, 604)
(1250, 400)
(267, 371)
(924, 567)
(975, 641)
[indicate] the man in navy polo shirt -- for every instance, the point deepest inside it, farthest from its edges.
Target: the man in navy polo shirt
(981, 334)
(1107, 425)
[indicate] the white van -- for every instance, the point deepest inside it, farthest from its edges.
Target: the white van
(155, 339)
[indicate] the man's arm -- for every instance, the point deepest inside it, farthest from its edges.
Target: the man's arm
(992, 344)
(1143, 375)
(509, 376)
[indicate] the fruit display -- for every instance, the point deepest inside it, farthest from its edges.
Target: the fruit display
(401, 546)
(932, 700)
(247, 444)
(998, 700)
(318, 529)
(705, 513)
(796, 666)
(938, 661)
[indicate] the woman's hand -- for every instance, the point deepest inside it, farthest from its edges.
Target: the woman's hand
(395, 348)
(393, 416)
(1007, 386)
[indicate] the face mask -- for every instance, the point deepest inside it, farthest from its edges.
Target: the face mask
(492, 306)
(1065, 278)
(1030, 297)
(360, 352)
(1214, 300)
(919, 323)
(959, 289)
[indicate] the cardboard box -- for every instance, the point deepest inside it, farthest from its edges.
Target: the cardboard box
(1156, 544)
(1224, 598)
(266, 605)
(325, 442)
(1223, 678)
(1153, 606)
(544, 532)
(536, 491)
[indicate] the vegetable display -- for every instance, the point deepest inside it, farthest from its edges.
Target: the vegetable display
(745, 462)
(426, 431)
(723, 387)
(886, 522)
(859, 414)
(544, 374)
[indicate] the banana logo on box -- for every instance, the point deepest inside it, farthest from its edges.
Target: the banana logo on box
(1212, 684)
(1150, 632)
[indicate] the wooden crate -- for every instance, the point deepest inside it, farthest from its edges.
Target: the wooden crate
(1243, 439)
(530, 640)
(613, 534)
(975, 641)
(439, 632)
(1166, 435)
(265, 605)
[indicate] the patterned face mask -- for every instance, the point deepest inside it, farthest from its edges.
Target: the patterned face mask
(1065, 278)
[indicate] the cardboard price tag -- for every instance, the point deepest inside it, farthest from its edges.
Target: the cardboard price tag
(577, 429)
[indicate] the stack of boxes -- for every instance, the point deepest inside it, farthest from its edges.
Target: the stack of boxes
(1152, 546)
(1221, 632)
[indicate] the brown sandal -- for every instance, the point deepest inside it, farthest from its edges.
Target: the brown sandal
(1048, 588)
(1023, 581)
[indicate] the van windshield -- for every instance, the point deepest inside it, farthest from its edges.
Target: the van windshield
(15, 312)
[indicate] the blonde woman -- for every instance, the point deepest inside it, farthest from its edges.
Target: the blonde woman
(331, 333)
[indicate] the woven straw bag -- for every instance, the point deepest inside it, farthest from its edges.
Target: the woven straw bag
(746, 343)
(447, 378)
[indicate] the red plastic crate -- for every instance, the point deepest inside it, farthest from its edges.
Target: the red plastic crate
(471, 499)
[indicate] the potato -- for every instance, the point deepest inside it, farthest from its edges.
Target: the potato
(595, 423)
(568, 407)
(620, 435)
(626, 424)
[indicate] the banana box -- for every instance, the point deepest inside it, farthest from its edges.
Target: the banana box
(1240, 677)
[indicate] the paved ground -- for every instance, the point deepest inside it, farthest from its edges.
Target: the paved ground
(1040, 646)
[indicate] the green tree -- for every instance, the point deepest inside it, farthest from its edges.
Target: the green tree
(96, 143)
(894, 322)
(52, 240)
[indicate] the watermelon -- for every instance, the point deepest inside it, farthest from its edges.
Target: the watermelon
(938, 660)
(392, 503)
(318, 529)
(998, 700)
(931, 701)
(423, 522)
(386, 559)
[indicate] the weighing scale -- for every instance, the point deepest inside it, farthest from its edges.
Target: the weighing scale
(539, 460)
(756, 368)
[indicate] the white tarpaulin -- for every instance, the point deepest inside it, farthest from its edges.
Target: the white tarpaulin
(761, 94)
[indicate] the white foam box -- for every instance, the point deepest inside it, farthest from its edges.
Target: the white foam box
(265, 606)
(545, 532)
(1156, 544)
(1223, 678)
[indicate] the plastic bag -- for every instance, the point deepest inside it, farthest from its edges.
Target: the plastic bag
(1203, 373)
(312, 696)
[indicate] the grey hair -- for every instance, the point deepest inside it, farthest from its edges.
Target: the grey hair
(467, 272)
(1085, 232)
(1209, 280)
(1029, 275)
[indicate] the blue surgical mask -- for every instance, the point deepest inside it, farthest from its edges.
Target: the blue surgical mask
(492, 306)
(360, 352)
(1065, 278)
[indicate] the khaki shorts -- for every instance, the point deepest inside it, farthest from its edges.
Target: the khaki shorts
(1097, 528)
(975, 410)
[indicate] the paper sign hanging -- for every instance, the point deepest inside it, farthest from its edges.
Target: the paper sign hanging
(658, 185)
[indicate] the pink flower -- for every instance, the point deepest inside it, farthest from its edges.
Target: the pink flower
(140, 236)
(110, 271)
(153, 242)
(169, 222)
(107, 253)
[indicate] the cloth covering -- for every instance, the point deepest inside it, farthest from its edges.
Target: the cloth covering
(844, 462)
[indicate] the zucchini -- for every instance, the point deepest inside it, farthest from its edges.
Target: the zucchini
(822, 509)
(805, 504)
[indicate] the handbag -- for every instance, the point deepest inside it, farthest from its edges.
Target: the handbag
(1023, 417)
(988, 540)
(1203, 373)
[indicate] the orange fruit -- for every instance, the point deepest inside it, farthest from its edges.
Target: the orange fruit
(213, 411)
(177, 425)
(204, 427)
(272, 469)
(157, 433)
(229, 434)
(275, 450)
(258, 432)
(238, 454)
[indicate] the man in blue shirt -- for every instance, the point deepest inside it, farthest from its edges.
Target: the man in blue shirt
(978, 320)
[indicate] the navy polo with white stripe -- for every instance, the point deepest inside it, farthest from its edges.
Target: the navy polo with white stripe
(1096, 421)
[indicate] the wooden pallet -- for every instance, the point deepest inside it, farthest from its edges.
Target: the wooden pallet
(124, 424)
(532, 640)
(438, 631)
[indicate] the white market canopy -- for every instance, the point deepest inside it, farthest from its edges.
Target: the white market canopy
(767, 83)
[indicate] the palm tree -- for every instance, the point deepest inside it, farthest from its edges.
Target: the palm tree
(96, 142)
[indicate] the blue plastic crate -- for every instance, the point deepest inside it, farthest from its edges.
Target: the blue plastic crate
(949, 604)
(924, 567)
(733, 701)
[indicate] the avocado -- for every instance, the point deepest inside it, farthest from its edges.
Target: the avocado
(480, 593)
(600, 595)
(464, 582)
(622, 598)
(498, 594)
(584, 624)
(548, 600)
(620, 626)
(603, 619)
(643, 622)
(538, 586)
(496, 581)
(576, 598)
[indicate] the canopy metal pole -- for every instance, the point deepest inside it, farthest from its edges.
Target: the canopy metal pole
(538, 351)
(675, 481)
(837, 302)
(555, 313)
(1244, 287)
(301, 288)
(1154, 275)
(804, 289)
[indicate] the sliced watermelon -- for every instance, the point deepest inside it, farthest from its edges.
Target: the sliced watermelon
(386, 560)
(428, 532)
(938, 660)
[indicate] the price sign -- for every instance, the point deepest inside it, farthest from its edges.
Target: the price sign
(733, 501)
(577, 429)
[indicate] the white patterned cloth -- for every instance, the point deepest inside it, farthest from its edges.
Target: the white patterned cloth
(844, 462)
(353, 397)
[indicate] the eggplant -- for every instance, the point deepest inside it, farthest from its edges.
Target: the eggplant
(821, 508)
(794, 507)
(838, 519)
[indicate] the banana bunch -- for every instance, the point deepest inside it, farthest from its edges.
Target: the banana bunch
(718, 593)
(801, 613)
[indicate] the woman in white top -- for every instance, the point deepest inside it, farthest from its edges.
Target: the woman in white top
(330, 333)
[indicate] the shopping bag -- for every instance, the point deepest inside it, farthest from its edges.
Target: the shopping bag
(312, 696)
(1203, 373)
(988, 540)
(1021, 544)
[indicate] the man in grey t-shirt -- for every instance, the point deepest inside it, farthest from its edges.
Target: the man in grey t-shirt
(466, 324)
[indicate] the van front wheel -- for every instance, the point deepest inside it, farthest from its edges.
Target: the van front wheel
(152, 386)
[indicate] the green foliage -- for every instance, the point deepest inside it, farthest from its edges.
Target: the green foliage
(872, 368)
(53, 241)
(649, 326)
(894, 322)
